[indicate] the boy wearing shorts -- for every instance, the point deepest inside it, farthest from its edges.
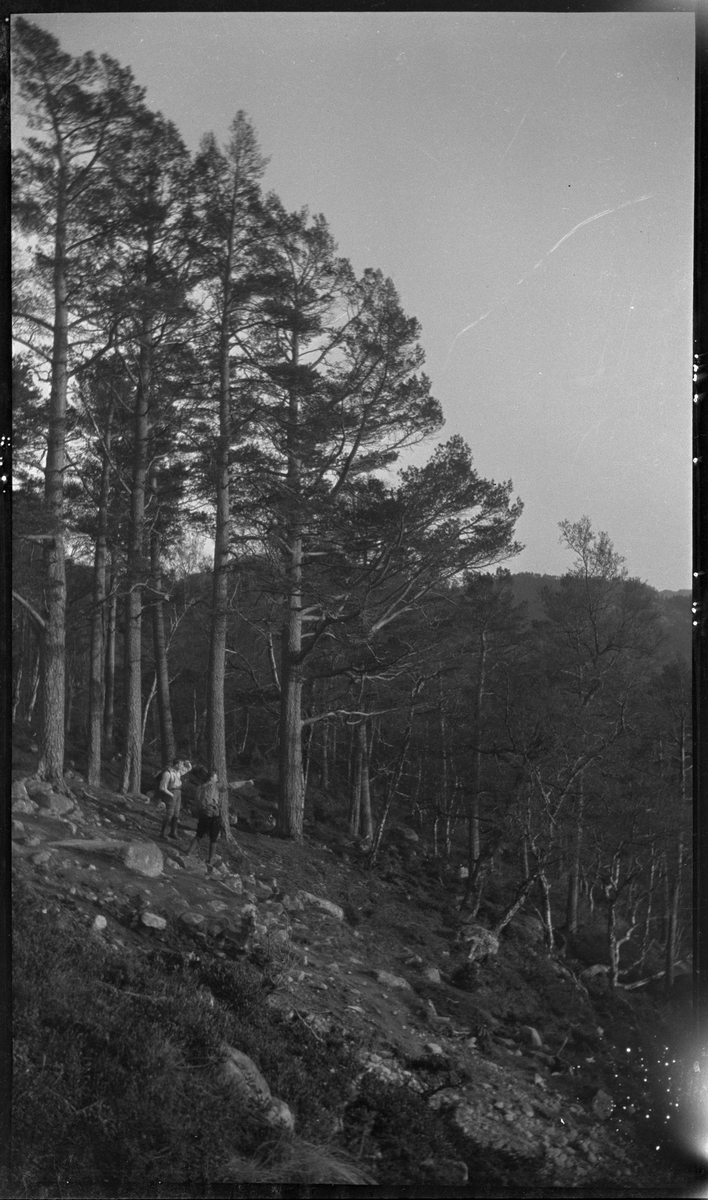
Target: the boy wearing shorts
(208, 815)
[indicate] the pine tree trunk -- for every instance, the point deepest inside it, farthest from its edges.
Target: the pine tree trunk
(98, 616)
(132, 732)
(52, 668)
(159, 642)
(292, 786)
(110, 665)
(215, 713)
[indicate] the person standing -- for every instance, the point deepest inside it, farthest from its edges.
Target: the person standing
(170, 791)
(208, 815)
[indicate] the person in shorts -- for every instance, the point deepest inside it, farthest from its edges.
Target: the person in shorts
(170, 791)
(208, 815)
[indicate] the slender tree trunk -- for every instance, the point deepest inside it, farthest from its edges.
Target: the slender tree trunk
(110, 662)
(547, 910)
(324, 778)
(355, 802)
(98, 614)
(52, 672)
(19, 672)
(34, 685)
(390, 792)
(159, 642)
(368, 827)
(476, 772)
(132, 733)
(292, 789)
(574, 871)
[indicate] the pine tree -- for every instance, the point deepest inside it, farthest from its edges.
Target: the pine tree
(80, 111)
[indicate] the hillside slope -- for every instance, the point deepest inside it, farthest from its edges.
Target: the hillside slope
(349, 989)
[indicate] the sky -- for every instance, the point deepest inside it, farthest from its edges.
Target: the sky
(526, 180)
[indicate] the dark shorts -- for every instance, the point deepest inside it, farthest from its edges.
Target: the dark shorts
(210, 825)
(172, 803)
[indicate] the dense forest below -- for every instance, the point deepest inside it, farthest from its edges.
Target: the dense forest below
(217, 555)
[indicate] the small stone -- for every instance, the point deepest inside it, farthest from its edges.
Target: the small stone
(99, 923)
(392, 981)
(153, 921)
(17, 828)
(326, 906)
(19, 791)
(41, 858)
(432, 975)
(433, 1048)
(192, 919)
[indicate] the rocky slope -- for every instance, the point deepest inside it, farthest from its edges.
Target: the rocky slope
(538, 1070)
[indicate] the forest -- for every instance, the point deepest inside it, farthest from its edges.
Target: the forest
(217, 554)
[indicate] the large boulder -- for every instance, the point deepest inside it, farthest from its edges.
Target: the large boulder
(240, 1076)
(35, 786)
(54, 803)
(145, 858)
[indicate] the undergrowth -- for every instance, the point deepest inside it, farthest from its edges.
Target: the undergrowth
(113, 1069)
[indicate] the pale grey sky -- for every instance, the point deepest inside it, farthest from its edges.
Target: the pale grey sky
(527, 181)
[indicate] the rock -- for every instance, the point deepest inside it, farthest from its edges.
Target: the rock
(145, 858)
(153, 921)
(245, 1083)
(35, 787)
(602, 1105)
(393, 981)
(531, 1036)
(25, 806)
(263, 892)
(594, 971)
(54, 803)
(481, 943)
(432, 975)
(414, 960)
(403, 833)
(449, 1171)
(326, 906)
(192, 919)
(433, 1048)
(234, 884)
(99, 923)
(18, 828)
(41, 858)
(19, 791)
